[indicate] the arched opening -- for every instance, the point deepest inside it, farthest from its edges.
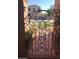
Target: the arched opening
(43, 34)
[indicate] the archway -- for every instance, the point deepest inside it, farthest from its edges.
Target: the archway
(26, 20)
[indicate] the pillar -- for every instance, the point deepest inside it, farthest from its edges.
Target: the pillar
(57, 4)
(21, 47)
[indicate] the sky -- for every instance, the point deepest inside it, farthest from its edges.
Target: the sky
(44, 4)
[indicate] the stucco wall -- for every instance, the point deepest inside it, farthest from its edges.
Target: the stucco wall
(57, 4)
(26, 20)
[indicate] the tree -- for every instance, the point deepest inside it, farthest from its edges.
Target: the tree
(49, 12)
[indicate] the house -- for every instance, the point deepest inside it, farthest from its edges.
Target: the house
(33, 11)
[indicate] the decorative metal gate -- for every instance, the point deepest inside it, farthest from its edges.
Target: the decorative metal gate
(42, 38)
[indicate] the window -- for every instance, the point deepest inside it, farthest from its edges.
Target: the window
(33, 9)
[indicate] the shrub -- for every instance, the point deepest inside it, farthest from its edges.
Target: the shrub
(28, 39)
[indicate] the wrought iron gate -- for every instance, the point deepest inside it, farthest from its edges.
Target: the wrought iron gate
(42, 38)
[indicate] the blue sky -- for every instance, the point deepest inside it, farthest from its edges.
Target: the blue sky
(44, 4)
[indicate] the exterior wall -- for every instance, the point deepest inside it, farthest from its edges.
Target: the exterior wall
(26, 20)
(22, 13)
(25, 3)
(21, 48)
(57, 4)
(56, 30)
